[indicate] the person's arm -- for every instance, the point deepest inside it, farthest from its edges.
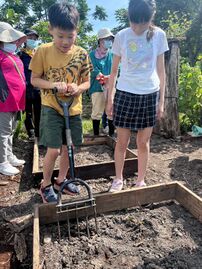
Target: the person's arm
(41, 83)
(162, 78)
(111, 84)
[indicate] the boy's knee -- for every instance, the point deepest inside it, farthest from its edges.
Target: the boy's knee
(54, 153)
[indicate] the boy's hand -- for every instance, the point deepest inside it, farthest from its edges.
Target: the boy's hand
(73, 88)
(61, 86)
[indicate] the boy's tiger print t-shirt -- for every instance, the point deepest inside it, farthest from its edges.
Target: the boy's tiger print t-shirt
(53, 65)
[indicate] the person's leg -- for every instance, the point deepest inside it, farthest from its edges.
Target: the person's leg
(13, 160)
(104, 120)
(111, 127)
(123, 138)
(5, 133)
(98, 106)
(143, 147)
(49, 164)
(28, 119)
(64, 164)
(6, 129)
(37, 112)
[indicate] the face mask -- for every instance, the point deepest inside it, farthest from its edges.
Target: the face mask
(31, 43)
(107, 44)
(9, 47)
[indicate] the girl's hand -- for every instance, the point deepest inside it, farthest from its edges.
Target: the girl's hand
(109, 109)
(61, 87)
(73, 88)
(160, 111)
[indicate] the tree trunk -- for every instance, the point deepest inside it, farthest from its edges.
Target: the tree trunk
(169, 125)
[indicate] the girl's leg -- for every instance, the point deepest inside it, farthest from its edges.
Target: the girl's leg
(143, 147)
(123, 138)
(49, 164)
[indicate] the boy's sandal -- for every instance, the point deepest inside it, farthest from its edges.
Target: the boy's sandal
(70, 188)
(139, 184)
(47, 194)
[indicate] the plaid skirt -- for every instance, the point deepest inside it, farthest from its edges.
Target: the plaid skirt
(134, 111)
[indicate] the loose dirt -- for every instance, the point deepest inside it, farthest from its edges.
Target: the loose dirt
(164, 236)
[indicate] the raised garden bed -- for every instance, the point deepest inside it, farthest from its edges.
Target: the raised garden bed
(157, 236)
(94, 159)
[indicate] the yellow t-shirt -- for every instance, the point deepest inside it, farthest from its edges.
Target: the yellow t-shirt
(55, 66)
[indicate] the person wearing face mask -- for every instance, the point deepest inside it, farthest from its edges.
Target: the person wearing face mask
(101, 59)
(12, 95)
(33, 99)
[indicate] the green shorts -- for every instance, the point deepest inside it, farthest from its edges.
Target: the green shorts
(52, 128)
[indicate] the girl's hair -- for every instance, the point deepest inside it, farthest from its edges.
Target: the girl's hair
(142, 11)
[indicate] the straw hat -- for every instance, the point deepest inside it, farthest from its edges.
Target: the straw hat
(9, 34)
(104, 33)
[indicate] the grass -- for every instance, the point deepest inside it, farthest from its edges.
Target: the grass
(87, 126)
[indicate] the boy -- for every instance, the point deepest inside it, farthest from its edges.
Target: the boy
(62, 65)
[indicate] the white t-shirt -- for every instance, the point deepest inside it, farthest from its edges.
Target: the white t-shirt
(138, 73)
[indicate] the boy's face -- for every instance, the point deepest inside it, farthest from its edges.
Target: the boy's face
(63, 39)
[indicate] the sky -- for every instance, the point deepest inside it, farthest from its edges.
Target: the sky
(110, 7)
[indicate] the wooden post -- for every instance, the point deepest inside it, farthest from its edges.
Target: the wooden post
(169, 125)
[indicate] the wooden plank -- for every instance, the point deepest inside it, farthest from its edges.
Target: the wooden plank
(35, 167)
(108, 202)
(36, 239)
(98, 170)
(94, 140)
(189, 200)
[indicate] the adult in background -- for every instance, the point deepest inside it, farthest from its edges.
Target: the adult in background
(33, 98)
(12, 95)
(101, 59)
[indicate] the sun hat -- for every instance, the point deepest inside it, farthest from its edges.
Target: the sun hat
(103, 33)
(31, 32)
(8, 33)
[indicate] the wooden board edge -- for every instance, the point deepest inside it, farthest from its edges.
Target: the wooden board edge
(35, 165)
(109, 202)
(189, 200)
(36, 238)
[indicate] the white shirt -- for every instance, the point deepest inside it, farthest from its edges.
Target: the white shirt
(138, 72)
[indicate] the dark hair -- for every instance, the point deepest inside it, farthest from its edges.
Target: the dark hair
(64, 16)
(141, 11)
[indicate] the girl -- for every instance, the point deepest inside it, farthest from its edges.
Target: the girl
(139, 97)
(12, 95)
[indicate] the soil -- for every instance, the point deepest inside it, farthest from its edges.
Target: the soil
(163, 236)
(93, 154)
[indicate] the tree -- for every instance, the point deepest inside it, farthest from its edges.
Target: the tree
(34, 13)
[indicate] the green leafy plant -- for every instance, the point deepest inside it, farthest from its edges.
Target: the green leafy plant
(176, 25)
(190, 95)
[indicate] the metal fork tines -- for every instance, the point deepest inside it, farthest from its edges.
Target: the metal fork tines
(73, 210)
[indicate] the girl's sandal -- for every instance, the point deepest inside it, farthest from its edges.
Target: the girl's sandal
(138, 184)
